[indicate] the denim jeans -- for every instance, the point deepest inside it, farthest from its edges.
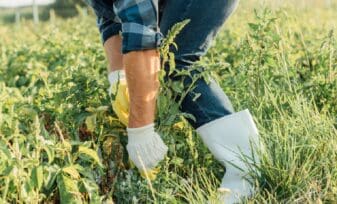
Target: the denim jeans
(206, 19)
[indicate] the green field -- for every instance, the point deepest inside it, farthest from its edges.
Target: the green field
(61, 142)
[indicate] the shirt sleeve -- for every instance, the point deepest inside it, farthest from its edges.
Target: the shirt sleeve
(139, 19)
(106, 18)
(107, 28)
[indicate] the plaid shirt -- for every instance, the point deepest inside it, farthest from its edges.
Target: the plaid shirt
(136, 20)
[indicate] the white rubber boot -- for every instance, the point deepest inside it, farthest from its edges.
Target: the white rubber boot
(230, 139)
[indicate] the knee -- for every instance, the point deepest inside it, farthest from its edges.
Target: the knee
(112, 47)
(187, 59)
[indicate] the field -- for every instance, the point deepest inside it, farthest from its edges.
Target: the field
(61, 142)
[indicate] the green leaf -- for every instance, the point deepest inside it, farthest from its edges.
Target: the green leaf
(177, 161)
(72, 171)
(102, 109)
(50, 178)
(27, 111)
(90, 153)
(177, 86)
(50, 154)
(90, 122)
(68, 190)
(4, 152)
(84, 172)
(253, 26)
(92, 189)
(6, 170)
(172, 62)
(37, 177)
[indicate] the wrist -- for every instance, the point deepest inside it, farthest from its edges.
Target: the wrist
(141, 134)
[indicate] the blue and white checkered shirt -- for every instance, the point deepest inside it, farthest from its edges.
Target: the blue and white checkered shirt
(136, 20)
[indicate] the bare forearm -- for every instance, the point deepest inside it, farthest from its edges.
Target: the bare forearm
(141, 69)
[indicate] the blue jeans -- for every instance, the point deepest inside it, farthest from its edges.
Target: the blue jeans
(207, 17)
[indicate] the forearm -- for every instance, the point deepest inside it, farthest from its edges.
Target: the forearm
(136, 52)
(141, 69)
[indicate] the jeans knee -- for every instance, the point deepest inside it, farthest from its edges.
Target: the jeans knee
(186, 60)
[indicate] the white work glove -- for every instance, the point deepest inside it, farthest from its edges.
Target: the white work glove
(145, 147)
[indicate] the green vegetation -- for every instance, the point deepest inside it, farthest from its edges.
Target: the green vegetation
(61, 141)
(62, 8)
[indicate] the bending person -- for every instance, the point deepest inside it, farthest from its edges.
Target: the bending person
(134, 64)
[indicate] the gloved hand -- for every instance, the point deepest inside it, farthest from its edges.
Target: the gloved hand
(120, 105)
(146, 149)
(119, 89)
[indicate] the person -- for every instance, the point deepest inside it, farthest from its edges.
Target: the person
(131, 32)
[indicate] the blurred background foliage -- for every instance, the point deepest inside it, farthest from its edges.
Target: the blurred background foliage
(62, 8)
(70, 8)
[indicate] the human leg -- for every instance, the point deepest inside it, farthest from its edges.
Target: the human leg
(206, 18)
(221, 130)
(110, 31)
(113, 52)
(116, 75)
